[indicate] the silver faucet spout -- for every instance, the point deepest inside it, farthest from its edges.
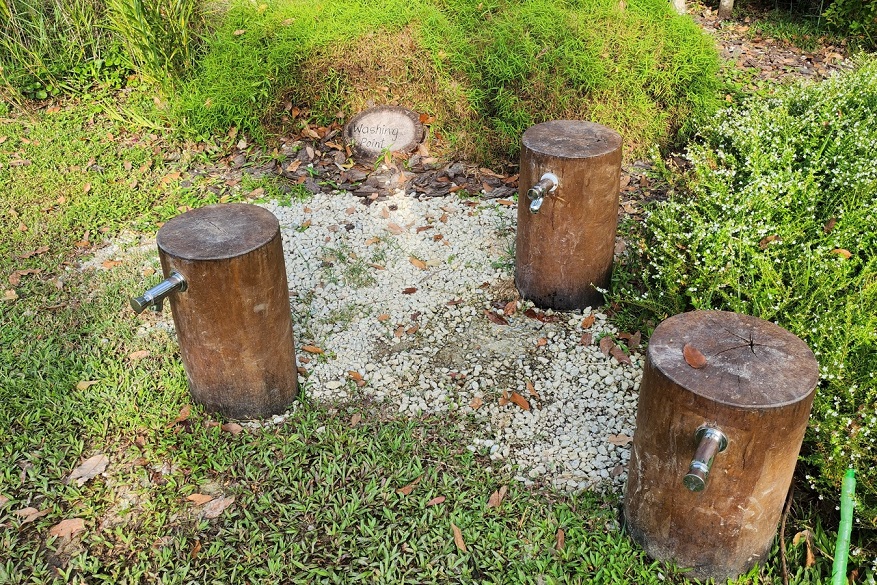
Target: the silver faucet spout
(154, 297)
(711, 441)
(537, 193)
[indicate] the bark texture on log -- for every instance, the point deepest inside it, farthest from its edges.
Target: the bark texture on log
(757, 387)
(233, 322)
(564, 252)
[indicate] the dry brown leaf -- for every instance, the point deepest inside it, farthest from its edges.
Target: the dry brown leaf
(635, 340)
(215, 507)
(587, 339)
(195, 549)
(494, 318)
(842, 252)
(15, 277)
(232, 427)
(424, 228)
(311, 349)
(3, 500)
(88, 469)
(138, 355)
(355, 419)
(807, 537)
(184, 414)
(541, 342)
(829, 225)
(619, 440)
(476, 403)
(371, 241)
(765, 241)
(532, 389)
(239, 32)
(383, 317)
(559, 539)
(510, 308)
(436, 501)
(37, 252)
(395, 228)
(354, 375)
(619, 355)
(85, 384)
(29, 514)
(413, 329)
(496, 497)
(199, 499)
(409, 488)
(606, 345)
(418, 263)
(504, 399)
(588, 321)
(693, 357)
(409, 291)
(86, 188)
(520, 401)
(111, 263)
(67, 528)
(444, 218)
(10, 295)
(458, 537)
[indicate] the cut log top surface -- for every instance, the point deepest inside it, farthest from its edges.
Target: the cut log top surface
(217, 232)
(750, 363)
(571, 139)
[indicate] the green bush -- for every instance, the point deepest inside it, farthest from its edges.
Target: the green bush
(779, 222)
(857, 17)
(485, 69)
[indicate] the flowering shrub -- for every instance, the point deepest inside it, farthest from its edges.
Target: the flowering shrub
(780, 221)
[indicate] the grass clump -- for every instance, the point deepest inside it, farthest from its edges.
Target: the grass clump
(778, 222)
(484, 70)
(50, 46)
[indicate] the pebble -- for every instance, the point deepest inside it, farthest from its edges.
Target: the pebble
(399, 295)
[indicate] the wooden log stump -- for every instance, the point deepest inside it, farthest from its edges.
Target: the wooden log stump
(233, 321)
(566, 238)
(725, 374)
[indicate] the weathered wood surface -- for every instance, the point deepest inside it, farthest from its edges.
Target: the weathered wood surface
(757, 387)
(233, 322)
(565, 251)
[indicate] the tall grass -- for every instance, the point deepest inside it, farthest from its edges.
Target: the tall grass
(161, 35)
(43, 41)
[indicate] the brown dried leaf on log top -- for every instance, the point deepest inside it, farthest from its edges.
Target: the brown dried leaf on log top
(497, 319)
(693, 356)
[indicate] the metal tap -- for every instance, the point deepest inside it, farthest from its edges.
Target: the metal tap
(710, 441)
(547, 184)
(154, 297)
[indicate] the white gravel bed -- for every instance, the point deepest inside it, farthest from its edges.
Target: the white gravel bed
(394, 293)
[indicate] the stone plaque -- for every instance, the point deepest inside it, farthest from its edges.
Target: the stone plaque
(383, 129)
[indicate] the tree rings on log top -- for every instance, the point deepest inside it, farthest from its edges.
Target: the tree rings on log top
(571, 139)
(381, 129)
(750, 363)
(217, 232)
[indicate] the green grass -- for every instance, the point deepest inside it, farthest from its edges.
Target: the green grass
(776, 219)
(642, 69)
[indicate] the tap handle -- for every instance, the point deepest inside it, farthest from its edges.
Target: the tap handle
(536, 194)
(710, 441)
(154, 297)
